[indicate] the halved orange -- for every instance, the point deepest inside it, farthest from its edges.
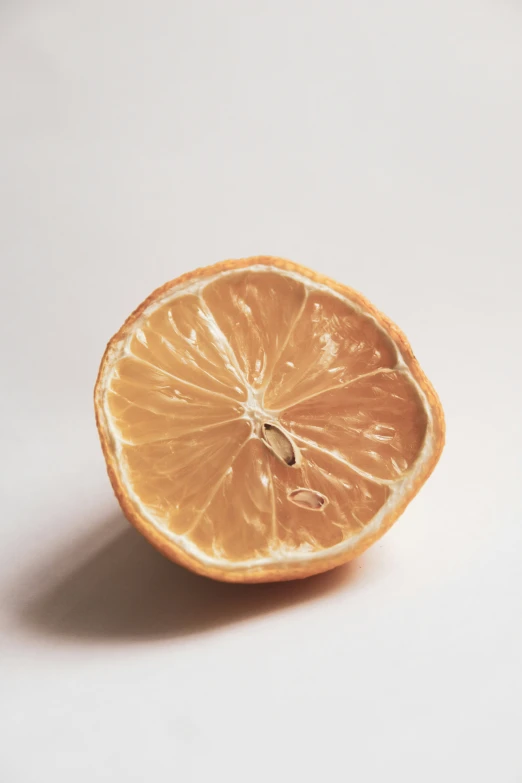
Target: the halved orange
(261, 422)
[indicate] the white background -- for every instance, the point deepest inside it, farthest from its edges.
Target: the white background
(380, 143)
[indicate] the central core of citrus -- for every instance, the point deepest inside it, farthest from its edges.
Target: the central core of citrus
(266, 427)
(254, 411)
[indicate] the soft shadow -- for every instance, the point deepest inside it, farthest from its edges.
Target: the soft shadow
(126, 590)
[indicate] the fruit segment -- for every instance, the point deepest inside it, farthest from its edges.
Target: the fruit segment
(329, 344)
(179, 338)
(147, 404)
(351, 501)
(238, 523)
(176, 479)
(252, 514)
(255, 312)
(377, 423)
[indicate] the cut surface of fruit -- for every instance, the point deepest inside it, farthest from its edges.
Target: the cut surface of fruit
(261, 422)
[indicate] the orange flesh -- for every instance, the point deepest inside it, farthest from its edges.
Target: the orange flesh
(205, 371)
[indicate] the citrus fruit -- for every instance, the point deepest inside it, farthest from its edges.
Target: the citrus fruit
(261, 422)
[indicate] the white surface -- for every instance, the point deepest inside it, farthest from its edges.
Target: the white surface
(380, 143)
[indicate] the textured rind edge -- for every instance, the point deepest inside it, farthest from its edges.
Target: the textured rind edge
(281, 571)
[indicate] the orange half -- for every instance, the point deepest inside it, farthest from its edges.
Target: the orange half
(261, 422)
